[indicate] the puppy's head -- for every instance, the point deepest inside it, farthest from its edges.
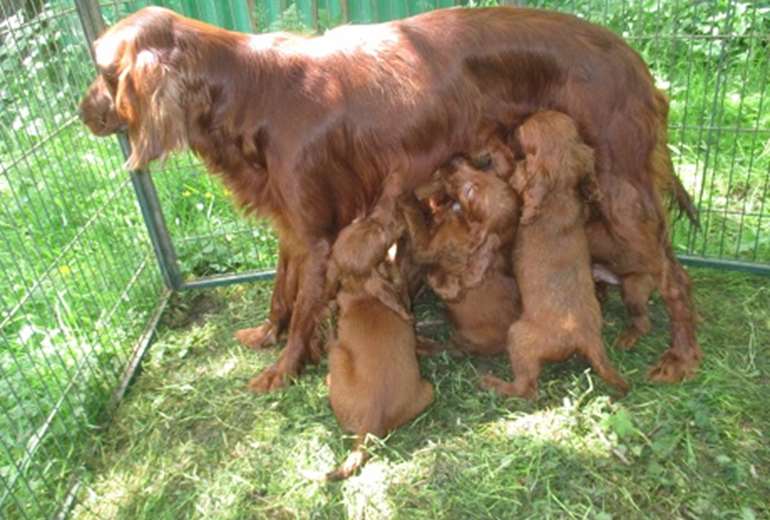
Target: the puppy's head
(556, 159)
(483, 196)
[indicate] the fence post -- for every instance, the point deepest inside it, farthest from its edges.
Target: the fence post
(93, 25)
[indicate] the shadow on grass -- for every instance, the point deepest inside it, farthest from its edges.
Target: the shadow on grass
(190, 441)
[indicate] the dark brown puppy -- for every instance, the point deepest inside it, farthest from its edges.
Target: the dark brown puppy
(306, 131)
(464, 248)
(560, 314)
(374, 378)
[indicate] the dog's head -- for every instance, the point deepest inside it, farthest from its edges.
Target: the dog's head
(556, 159)
(137, 86)
(483, 196)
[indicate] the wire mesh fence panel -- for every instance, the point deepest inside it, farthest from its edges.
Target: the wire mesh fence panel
(711, 58)
(79, 278)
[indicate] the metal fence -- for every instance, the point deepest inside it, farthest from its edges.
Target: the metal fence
(82, 289)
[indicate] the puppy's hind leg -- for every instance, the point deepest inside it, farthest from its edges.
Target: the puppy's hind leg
(371, 423)
(636, 290)
(597, 356)
(525, 349)
(355, 459)
(416, 406)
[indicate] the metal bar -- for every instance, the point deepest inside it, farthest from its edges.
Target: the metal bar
(156, 225)
(228, 279)
(140, 348)
(93, 24)
(721, 263)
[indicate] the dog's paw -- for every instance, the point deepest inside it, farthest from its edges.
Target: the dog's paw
(257, 338)
(674, 368)
(269, 380)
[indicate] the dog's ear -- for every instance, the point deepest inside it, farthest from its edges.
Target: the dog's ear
(388, 294)
(533, 181)
(445, 285)
(481, 260)
(149, 99)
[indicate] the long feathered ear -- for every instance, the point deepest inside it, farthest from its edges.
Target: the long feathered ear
(533, 181)
(583, 157)
(149, 98)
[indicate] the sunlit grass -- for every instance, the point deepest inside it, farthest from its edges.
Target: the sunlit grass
(191, 441)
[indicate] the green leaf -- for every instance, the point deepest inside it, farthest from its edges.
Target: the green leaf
(621, 423)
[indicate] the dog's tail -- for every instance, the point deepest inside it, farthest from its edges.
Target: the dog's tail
(665, 179)
(684, 202)
(352, 463)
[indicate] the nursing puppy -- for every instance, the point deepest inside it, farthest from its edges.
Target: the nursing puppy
(374, 379)
(560, 314)
(465, 246)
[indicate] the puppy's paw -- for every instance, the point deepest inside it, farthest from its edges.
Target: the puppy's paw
(351, 465)
(628, 338)
(505, 389)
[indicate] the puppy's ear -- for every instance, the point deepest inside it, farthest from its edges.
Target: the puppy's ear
(445, 285)
(533, 181)
(481, 260)
(387, 294)
(583, 159)
(503, 160)
(431, 188)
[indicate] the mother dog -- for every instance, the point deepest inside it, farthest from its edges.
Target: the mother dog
(312, 132)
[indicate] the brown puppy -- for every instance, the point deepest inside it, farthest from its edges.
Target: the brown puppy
(467, 270)
(560, 315)
(374, 379)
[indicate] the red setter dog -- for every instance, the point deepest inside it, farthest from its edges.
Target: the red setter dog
(314, 132)
(551, 261)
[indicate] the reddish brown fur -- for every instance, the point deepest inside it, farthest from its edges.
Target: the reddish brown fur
(560, 314)
(305, 131)
(647, 266)
(481, 296)
(374, 379)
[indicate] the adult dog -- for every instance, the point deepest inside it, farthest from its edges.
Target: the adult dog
(313, 132)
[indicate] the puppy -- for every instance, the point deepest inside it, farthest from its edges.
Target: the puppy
(637, 271)
(464, 246)
(374, 379)
(551, 262)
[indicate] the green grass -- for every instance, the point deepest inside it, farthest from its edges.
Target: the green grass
(190, 441)
(78, 279)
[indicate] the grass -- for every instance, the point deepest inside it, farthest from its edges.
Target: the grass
(77, 270)
(190, 441)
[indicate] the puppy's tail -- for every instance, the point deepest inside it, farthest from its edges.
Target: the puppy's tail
(352, 463)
